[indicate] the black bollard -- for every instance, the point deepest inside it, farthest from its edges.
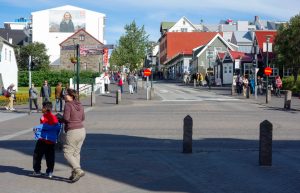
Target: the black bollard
(265, 143)
(118, 96)
(187, 134)
(248, 92)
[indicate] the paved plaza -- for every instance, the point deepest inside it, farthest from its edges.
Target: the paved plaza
(136, 146)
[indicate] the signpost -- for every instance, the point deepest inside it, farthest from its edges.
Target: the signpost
(147, 73)
(268, 71)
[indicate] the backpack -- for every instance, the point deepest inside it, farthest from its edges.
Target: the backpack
(6, 93)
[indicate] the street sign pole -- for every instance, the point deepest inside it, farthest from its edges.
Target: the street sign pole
(147, 87)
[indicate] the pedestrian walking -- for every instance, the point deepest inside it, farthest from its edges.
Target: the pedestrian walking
(245, 85)
(130, 80)
(46, 134)
(120, 83)
(74, 133)
(45, 91)
(11, 95)
(58, 97)
(278, 86)
(135, 86)
(106, 82)
(33, 97)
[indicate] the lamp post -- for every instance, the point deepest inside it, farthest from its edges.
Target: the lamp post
(78, 67)
(267, 63)
(208, 74)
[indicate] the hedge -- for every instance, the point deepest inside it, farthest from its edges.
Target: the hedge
(53, 77)
(288, 84)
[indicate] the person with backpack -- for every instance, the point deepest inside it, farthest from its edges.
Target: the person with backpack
(10, 94)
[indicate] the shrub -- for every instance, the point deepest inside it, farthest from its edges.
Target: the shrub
(54, 76)
(288, 84)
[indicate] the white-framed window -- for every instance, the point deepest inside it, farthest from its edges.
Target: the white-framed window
(209, 54)
(9, 55)
(183, 22)
(81, 38)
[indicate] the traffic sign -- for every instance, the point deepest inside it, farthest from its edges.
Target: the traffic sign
(268, 71)
(147, 72)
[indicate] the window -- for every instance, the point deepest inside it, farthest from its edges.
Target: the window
(218, 49)
(275, 72)
(287, 72)
(247, 68)
(209, 54)
(183, 22)
(225, 69)
(230, 69)
(183, 29)
(81, 38)
(10, 55)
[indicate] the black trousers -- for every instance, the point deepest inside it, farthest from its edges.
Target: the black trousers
(41, 149)
(106, 87)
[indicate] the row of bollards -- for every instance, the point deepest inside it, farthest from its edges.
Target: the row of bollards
(265, 140)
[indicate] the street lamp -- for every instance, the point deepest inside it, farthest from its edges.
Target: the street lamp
(77, 64)
(209, 69)
(267, 63)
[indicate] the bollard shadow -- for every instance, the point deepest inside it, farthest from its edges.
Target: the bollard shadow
(154, 164)
(292, 110)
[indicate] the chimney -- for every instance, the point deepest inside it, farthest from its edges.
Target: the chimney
(10, 40)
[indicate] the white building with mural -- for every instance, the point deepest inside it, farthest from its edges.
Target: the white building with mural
(8, 64)
(53, 26)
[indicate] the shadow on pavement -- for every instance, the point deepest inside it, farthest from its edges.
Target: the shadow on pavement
(217, 165)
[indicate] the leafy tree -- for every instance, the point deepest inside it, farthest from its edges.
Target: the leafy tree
(39, 58)
(287, 45)
(131, 48)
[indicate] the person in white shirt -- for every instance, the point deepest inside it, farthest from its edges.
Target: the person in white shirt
(106, 83)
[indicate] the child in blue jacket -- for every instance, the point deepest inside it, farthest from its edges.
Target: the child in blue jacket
(46, 134)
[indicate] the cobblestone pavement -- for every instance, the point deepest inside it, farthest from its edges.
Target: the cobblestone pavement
(135, 147)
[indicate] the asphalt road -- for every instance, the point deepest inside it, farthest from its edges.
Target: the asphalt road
(136, 146)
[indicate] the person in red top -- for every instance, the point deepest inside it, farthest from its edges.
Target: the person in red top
(43, 146)
(278, 83)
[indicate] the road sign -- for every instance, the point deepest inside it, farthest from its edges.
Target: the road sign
(147, 72)
(268, 71)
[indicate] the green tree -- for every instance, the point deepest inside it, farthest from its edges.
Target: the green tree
(287, 45)
(39, 58)
(131, 48)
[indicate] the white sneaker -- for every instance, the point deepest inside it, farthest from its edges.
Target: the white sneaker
(6, 108)
(12, 109)
(107, 92)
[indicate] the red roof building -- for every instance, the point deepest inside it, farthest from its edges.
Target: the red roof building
(174, 43)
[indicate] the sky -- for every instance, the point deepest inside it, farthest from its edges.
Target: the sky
(150, 14)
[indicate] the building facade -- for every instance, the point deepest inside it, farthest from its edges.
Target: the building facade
(8, 64)
(53, 26)
(90, 49)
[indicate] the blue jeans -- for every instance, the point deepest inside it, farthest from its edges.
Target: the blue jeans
(121, 88)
